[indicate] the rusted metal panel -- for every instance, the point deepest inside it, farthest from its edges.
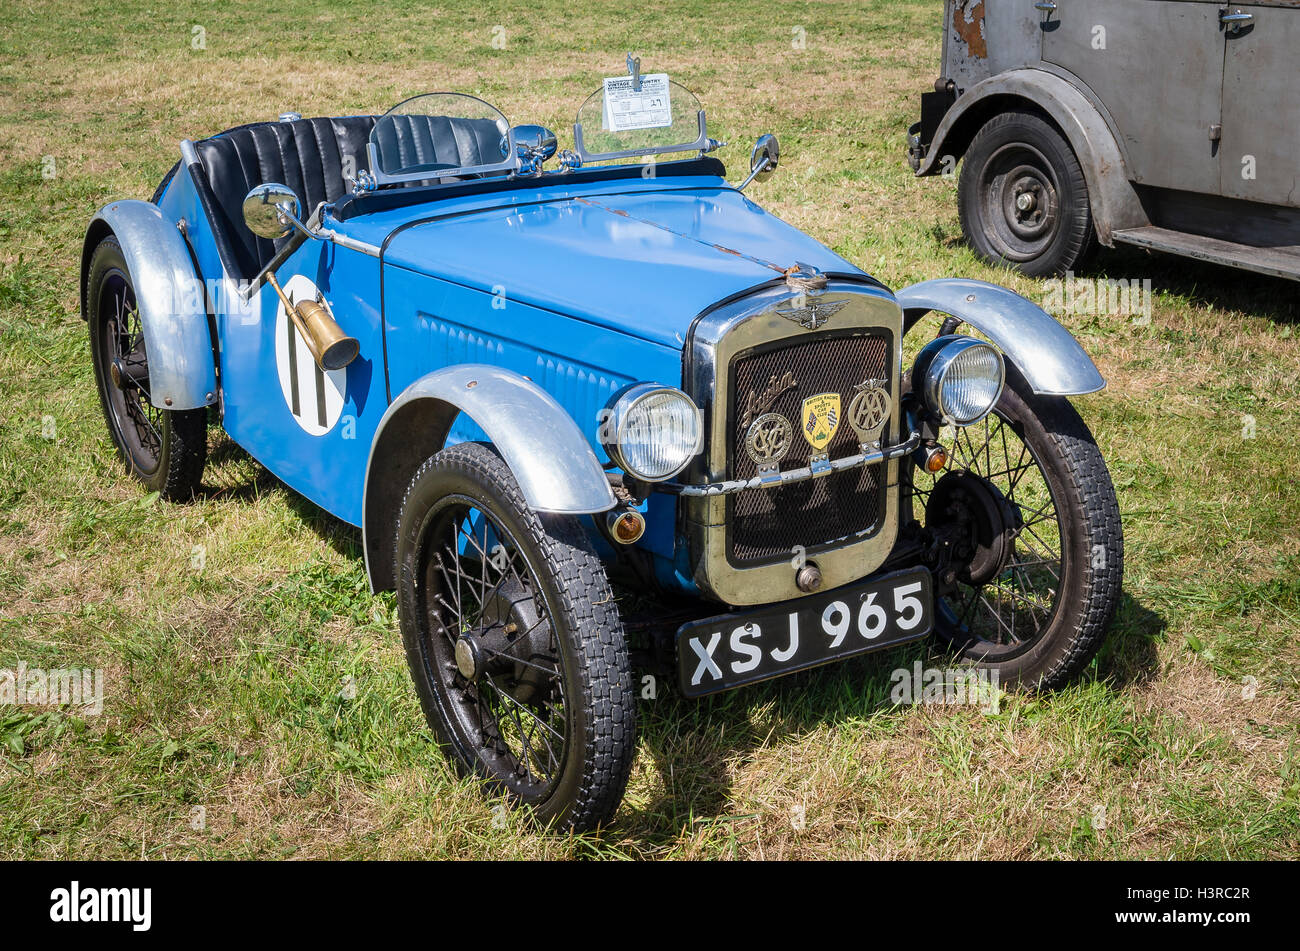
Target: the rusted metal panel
(1259, 155)
(968, 25)
(1157, 65)
(985, 37)
(965, 48)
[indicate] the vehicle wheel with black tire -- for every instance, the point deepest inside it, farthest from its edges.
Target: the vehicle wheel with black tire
(164, 449)
(1022, 196)
(514, 641)
(1027, 516)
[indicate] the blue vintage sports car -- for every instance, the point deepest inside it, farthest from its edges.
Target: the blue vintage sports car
(522, 382)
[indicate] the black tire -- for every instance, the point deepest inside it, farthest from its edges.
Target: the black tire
(1020, 156)
(541, 567)
(164, 449)
(1043, 460)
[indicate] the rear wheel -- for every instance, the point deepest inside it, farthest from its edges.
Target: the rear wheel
(164, 449)
(514, 641)
(1026, 518)
(1022, 196)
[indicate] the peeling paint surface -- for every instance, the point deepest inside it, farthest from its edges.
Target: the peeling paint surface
(968, 24)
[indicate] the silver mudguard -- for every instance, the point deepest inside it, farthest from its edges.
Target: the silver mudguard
(550, 458)
(1044, 352)
(170, 298)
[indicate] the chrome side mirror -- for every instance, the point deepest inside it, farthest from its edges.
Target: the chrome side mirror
(534, 144)
(271, 210)
(763, 160)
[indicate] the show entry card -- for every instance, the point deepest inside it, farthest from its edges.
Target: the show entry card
(626, 109)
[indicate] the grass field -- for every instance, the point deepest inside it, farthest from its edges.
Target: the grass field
(257, 703)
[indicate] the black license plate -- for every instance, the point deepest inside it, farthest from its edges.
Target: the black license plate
(730, 650)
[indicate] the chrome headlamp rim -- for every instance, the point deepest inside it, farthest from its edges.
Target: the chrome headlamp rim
(619, 410)
(931, 368)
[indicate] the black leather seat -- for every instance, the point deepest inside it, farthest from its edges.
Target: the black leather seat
(311, 156)
(411, 141)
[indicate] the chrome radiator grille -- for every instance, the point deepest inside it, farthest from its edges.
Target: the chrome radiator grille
(766, 525)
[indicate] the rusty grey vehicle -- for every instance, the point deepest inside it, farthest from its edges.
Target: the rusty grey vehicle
(1167, 124)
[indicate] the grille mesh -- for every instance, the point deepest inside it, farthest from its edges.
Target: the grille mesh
(765, 525)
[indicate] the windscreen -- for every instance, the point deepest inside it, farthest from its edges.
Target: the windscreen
(440, 134)
(619, 120)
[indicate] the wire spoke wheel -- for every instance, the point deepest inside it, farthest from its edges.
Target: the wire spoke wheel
(165, 449)
(1010, 606)
(139, 423)
(1025, 539)
(514, 641)
(492, 642)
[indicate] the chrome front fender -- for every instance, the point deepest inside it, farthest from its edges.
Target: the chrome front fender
(550, 458)
(1045, 353)
(169, 296)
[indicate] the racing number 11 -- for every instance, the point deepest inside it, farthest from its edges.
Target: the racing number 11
(294, 387)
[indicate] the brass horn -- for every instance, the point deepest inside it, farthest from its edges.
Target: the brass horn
(329, 345)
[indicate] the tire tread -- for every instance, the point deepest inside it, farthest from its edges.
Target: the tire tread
(1079, 240)
(589, 607)
(1102, 587)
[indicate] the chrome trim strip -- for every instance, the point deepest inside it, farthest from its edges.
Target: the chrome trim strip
(791, 476)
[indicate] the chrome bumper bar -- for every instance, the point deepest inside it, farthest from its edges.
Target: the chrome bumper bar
(791, 476)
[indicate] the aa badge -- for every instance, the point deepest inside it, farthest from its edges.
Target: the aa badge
(820, 419)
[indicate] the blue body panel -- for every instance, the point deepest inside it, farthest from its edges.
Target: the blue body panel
(180, 202)
(582, 286)
(329, 469)
(643, 258)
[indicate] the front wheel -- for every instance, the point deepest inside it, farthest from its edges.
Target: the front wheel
(514, 641)
(1031, 549)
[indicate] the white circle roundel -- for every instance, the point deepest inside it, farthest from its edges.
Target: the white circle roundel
(314, 396)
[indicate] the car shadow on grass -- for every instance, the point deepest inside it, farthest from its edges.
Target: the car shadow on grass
(1200, 283)
(338, 534)
(231, 474)
(698, 747)
(1129, 656)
